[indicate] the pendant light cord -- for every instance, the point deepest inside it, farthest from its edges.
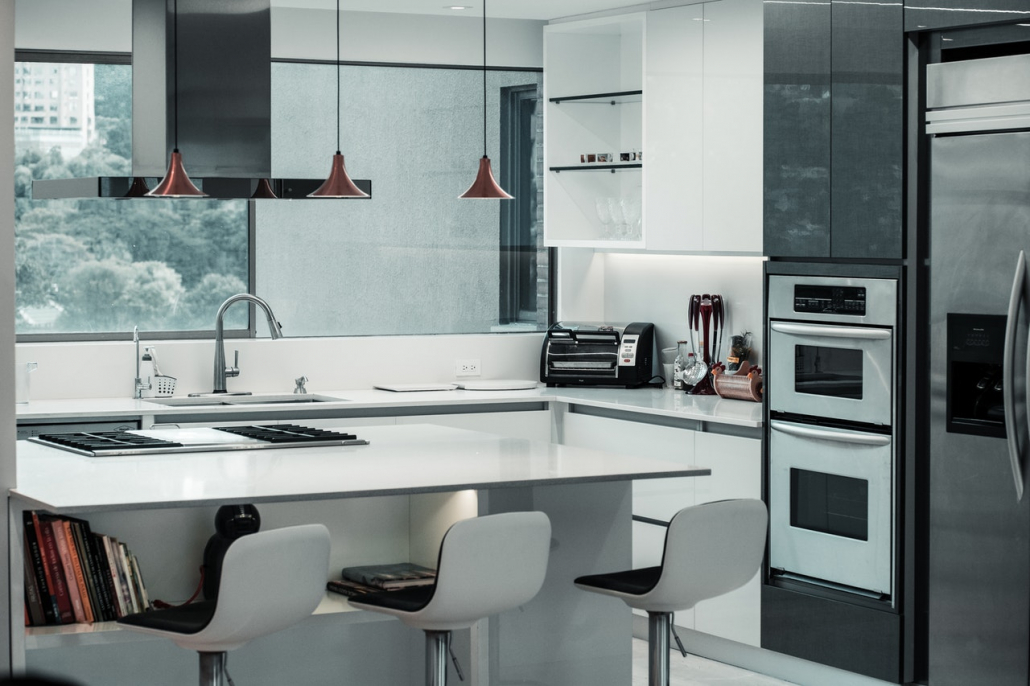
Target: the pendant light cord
(484, 77)
(337, 76)
(175, 59)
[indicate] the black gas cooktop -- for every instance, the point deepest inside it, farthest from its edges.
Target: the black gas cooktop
(107, 443)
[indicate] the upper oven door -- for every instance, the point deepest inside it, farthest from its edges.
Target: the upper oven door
(836, 372)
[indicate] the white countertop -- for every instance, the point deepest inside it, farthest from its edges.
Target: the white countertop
(652, 401)
(403, 459)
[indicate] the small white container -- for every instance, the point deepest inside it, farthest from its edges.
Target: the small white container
(21, 381)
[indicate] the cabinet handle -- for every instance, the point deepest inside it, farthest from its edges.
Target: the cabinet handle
(830, 331)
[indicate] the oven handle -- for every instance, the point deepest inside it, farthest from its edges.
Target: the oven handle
(830, 331)
(859, 437)
(1009, 376)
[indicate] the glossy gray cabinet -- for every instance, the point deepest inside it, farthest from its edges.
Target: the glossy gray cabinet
(833, 130)
(924, 15)
(796, 216)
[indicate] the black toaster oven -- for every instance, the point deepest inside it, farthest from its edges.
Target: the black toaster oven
(592, 354)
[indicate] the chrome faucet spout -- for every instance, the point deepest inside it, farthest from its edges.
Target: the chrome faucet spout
(221, 370)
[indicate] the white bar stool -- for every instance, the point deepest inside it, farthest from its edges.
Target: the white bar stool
(710, 550)
(486, 565)
(270, 581)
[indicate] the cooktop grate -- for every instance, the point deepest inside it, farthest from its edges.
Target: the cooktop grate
(287, 433)
(106, 440)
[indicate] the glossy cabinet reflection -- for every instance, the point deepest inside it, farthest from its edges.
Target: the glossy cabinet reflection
(940, 14)
(833, 130)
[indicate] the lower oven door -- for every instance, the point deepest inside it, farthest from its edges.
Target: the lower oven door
(830, 505)
(838, 372)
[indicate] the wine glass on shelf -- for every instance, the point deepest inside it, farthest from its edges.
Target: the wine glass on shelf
(604, 213)
(615, 207)
(631, 215)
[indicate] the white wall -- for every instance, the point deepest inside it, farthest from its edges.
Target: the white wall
(7, 432)
(106, 25)
(412, 38)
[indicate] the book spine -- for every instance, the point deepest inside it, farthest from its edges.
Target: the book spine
(141, 587)
(69, 569)
(80, 578)
(126, 571)
(50, 611)
(116, 584)
(88, 574)
(56, 575)
(103, 576)
(97, 572)
(33, 604)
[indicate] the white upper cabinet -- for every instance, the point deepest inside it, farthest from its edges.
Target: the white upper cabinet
(733, 122)
(698, 122)
(593, 78)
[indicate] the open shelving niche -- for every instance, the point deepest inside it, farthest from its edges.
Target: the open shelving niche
(366, 530)
(593, 85)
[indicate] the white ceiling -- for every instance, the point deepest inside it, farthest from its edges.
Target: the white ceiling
(509, 9)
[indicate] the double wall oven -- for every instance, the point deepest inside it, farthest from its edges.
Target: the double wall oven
(832, 350)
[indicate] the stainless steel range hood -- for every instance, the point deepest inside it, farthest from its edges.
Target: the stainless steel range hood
(224, 101)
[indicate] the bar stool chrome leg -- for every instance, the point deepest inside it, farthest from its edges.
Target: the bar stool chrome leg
(658, 626)
(212, 669)
(437, 648)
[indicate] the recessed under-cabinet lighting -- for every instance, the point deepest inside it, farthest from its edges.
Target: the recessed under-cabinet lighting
(457, 7)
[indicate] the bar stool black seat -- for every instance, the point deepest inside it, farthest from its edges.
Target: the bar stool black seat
(710, 549)
(486, 565)
(270, 580)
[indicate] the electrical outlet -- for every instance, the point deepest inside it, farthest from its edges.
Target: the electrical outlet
(469, 367)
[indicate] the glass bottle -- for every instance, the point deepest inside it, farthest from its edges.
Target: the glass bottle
(682, 353)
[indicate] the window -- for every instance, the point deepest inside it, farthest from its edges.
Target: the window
(414, 259)
(90, 268)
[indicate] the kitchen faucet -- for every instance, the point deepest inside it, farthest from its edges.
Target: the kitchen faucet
(139, 385)
(221, 371)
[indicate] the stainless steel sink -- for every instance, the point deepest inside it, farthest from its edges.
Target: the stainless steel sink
(265, 399)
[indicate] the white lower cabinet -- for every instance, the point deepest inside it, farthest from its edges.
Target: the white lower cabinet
(736, 464)
(531, 424)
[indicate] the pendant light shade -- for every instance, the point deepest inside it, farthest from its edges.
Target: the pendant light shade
(339, 184)
(138, 188)
(485, 187)
(264, 191)
(176, 183)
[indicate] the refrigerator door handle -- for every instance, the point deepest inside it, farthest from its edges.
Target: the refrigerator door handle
(1009, 376)
(858, 437)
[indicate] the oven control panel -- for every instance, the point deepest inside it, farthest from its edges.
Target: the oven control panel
(825, 299)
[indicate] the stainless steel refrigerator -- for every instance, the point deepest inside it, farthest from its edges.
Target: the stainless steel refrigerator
(979, 221)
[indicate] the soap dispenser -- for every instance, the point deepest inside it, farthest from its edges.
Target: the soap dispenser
(147, 373)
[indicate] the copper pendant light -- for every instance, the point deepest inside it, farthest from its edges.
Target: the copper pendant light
(264, 191)
(138, 188)
(176, 183)
(485, 187)
(339, 184)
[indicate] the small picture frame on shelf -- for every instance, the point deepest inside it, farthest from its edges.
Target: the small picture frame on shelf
(588, 158)
(625, 157)
(604, 157)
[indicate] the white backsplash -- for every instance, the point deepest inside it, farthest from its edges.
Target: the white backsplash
(657, 288)
(107, 370)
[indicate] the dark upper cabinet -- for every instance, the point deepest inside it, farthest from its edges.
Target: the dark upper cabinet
(867, 125)
(925, 15)
(796, 215)
(834, 121)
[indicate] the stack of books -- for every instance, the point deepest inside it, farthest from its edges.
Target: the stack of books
(74, 575)
(358, 581)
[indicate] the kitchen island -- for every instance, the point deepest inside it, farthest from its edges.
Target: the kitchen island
(388, 501)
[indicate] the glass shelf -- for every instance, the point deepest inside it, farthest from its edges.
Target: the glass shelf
(599, 167)
(618, 98)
